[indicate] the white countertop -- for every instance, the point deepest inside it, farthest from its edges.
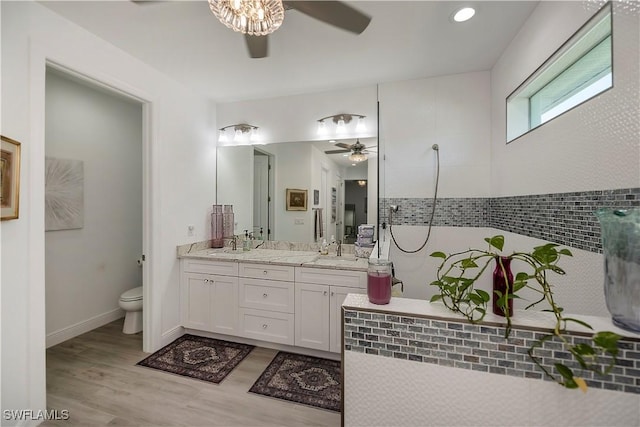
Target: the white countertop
(521, 318)
(281, 257)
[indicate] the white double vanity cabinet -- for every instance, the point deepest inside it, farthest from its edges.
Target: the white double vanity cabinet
(274, 296)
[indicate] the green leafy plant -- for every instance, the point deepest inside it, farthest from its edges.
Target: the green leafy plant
(456, 279)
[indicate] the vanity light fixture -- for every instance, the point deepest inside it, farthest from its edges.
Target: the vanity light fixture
(341, 123)
(463, 14)
(242, 132)
(253, 17)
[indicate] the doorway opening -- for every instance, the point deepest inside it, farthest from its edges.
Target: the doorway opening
(95, 209)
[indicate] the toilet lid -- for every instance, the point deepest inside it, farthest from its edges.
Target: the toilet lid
(132, 294)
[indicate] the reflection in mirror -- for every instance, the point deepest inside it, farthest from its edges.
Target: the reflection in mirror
(341, 192)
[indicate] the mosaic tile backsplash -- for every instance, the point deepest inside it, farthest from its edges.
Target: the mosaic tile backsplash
(563, 218)
(480, 348)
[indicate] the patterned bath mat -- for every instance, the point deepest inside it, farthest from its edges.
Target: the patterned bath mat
(302, 379)
(206, 359)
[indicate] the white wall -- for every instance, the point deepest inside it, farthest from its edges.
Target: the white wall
(451, 111)
(595, 146)
(179, 178)
(96, 263)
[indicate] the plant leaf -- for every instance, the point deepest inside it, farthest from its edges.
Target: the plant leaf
(565, 251)
(495, 241)
(469, 263)
(436, 297)
(522, 277)
(582, 384)
(578, 321)
(483, 294)
(564, 371)
(439, 255)
(607, 341)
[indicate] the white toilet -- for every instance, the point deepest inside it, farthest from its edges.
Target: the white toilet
(131, 302)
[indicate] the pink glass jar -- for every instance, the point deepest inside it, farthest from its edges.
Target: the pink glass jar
(379, 281)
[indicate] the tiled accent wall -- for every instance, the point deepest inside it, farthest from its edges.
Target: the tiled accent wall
(455, 212)
(564, 218)
(477, 347)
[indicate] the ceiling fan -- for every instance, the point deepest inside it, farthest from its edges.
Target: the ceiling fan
(258, 18)
(358, 150)
(334, 13)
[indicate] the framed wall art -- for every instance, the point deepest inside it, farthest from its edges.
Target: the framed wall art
(296, 200)
(9, 178)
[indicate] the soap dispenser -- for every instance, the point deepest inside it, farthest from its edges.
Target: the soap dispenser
(246, 243)
(324, 248)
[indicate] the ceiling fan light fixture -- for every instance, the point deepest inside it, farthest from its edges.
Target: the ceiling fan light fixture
(253, 17)
(357, 157)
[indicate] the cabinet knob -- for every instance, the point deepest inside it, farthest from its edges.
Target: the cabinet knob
(265, 272)
(332, 293)
(264, 326)
(206, 280)
(264, 295)
(324, 293)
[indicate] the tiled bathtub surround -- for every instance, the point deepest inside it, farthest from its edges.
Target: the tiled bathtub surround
(564, 218)
(478, 347)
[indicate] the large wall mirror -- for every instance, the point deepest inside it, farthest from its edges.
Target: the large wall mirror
(339, 192)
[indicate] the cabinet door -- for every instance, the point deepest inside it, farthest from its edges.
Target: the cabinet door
(195, 308)
(338, 294)
(224, 304)
(312, 316)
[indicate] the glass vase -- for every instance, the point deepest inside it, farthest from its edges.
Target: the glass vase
(228, 224)
(621, 250)
(503, 284)
(217, 230)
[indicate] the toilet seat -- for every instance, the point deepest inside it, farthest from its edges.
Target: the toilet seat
(134, 294)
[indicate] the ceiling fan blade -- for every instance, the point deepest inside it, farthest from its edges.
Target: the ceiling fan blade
(336, 151)
(343, 145)
(335, 13)
(258, 46)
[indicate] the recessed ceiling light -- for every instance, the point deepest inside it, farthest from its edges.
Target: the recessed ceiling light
(464, 14)
(332, 141)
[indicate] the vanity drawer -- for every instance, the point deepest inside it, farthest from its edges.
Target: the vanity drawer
(221, 268)
(267, 295)
(267, 325)
(324, 276)
(269, 272)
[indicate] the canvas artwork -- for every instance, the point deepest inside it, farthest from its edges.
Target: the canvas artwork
(296, 200)
(64, 194)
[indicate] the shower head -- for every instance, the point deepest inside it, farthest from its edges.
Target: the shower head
(435, 147)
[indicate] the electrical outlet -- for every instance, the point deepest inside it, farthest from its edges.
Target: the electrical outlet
(299, 221)
(190, 230)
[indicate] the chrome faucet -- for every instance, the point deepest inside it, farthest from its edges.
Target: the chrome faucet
(234, 242)
(339, 248)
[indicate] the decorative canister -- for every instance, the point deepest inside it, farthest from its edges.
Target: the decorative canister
(228, 222)
(379, 281)
(217, 224)
(621, 250)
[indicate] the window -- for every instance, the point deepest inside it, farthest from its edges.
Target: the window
(578, 71)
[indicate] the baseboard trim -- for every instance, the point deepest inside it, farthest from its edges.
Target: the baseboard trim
(80, 328)
(265, 344)
(171, 335)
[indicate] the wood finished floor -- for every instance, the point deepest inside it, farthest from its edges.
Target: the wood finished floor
(94, 376)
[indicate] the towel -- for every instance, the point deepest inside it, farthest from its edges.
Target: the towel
(318, 232)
